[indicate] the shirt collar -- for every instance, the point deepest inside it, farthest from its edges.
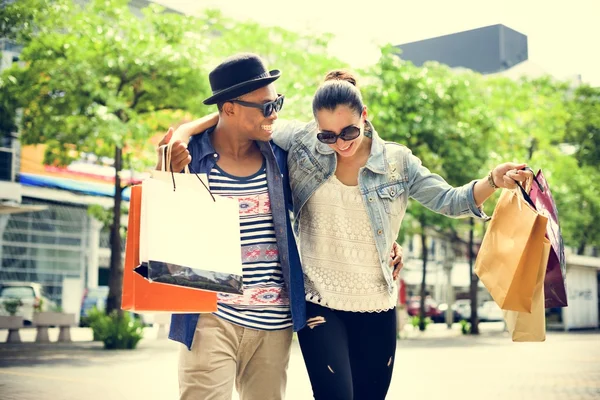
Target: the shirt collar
(207, 149)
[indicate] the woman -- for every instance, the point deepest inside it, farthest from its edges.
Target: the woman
(350, 192)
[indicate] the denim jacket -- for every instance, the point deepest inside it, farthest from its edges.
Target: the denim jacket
(392, 175)
(204, 157)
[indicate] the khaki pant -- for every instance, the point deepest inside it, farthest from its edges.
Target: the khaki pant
(222, 352)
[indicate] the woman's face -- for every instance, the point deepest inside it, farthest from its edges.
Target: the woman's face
(345, 121)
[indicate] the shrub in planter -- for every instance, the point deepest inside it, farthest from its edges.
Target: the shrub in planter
(465, 326)
(116, 331)
(12, 306)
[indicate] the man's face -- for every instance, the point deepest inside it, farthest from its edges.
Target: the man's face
(250, 121)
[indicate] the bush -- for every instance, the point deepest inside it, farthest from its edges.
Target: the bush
(465, 326)
(93, 315)
(414, 321)
(12, 305)
(114, 330)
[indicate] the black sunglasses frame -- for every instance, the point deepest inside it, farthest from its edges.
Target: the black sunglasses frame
(275, 105)
(331, 138)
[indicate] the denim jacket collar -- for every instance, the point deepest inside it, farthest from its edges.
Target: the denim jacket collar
(207, 149)
(205, 144)
(376, 161)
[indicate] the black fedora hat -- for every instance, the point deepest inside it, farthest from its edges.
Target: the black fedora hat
(237, 75)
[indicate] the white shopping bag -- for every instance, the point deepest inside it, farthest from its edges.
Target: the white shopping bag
(189, 237)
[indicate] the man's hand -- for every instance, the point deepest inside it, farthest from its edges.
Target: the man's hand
(397, 261)
(180, 156)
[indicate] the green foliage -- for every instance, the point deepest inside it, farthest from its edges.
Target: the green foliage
(116, 331)
(583, 128)
(465, 327)
(303, 60)
(12, 305)
(415, 320)
(95, 76)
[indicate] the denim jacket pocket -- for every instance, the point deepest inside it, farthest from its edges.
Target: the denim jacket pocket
(390, 197)
(304, 159)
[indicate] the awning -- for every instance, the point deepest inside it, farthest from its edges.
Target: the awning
(72, 185)
(6, 209)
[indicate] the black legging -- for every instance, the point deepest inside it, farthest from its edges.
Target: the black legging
(348, 355)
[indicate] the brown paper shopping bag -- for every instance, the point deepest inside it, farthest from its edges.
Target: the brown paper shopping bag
(531, 327)
(509, 258)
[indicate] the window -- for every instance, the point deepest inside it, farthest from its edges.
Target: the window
(17, 292)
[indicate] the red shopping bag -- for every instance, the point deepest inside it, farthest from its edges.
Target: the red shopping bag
(555, 291)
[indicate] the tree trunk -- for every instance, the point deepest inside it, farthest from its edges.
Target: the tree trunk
(115, 280)
(581, 248)
(422, 314)
(474, 282)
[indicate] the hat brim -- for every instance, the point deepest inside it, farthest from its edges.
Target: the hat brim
(242, 88)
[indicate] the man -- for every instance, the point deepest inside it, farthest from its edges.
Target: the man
(248, 339)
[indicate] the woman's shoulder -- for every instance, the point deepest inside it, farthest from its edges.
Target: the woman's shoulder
(396, 151)
(288, 132)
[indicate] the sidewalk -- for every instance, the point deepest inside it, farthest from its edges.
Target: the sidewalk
(437, 364)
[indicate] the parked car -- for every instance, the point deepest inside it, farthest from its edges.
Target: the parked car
(431, 308)
(32, 296)
(489, 311)
(463, 309)
(456, 316)
(96, 297)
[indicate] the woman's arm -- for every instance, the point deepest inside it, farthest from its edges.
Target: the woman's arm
(284, 132)
(435, 193)
(180, 156)
(189, 129)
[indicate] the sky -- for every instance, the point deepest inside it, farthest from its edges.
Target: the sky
(563, 36)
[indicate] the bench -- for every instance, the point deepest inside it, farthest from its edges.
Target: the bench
(44, 320)
(13, 323)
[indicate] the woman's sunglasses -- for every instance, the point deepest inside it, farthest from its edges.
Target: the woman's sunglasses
(266, 108)
(350, 132)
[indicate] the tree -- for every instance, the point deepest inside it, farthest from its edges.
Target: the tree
(583, 127)
(96, 79)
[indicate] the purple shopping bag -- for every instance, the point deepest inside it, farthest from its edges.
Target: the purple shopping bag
(555, 292)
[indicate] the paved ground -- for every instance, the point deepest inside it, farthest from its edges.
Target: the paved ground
(437, 365)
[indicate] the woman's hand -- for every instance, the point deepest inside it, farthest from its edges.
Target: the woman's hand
(397, 261)
(505, 175)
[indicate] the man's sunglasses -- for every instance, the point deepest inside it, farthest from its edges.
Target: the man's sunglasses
(350, 132)
(266, 108)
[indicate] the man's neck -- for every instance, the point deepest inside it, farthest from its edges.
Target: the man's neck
(227, 142)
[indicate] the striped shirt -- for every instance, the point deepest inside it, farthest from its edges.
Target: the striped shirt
(264, 304)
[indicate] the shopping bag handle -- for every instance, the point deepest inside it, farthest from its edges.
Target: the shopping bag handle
(535, 179)
(524, 192)
(167, 160)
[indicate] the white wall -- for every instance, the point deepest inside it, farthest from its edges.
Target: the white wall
(582, 292)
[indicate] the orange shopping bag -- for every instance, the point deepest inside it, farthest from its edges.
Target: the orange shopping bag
(141, 295)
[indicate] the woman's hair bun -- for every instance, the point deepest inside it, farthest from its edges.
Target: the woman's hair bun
(341, 75)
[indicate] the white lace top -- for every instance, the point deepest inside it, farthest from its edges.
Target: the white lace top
(339, 258)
